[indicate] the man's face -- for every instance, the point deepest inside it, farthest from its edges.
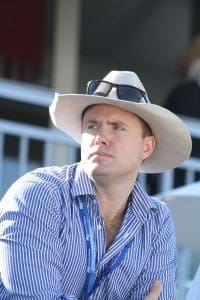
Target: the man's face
(113, 142)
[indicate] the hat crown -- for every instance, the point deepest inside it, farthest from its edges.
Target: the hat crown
(125, 78)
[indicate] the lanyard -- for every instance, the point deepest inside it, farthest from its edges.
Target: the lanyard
(116, 262)
(90, 284)
(91, 251)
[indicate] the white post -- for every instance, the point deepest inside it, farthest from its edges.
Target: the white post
(66, 60)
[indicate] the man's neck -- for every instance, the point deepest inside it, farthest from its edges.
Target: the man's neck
(113, 198)
(113, 203)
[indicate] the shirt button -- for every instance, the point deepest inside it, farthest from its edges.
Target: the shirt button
(99, 226)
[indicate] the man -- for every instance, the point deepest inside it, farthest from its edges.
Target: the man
(89, 231)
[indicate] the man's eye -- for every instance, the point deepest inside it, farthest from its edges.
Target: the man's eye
(118, 127)
(92, 126)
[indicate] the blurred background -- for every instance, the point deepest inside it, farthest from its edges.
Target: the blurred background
(59, 45)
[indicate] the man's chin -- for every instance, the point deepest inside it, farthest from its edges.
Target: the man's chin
(96, 169)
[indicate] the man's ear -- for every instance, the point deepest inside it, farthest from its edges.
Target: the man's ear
(149, 146)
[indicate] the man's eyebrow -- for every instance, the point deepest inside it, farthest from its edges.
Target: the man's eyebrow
(91, 121)
(111, 122)
(117, 122)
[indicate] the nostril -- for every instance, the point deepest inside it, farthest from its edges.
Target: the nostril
(101, 140)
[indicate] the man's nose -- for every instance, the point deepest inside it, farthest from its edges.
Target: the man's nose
(102, 137)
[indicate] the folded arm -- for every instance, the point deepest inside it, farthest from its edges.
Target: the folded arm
(162, 262)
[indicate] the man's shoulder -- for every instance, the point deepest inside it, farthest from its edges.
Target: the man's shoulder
(154, 202)
(49, 174)
(149, 207)
(162, 213)
(40, 188)
(49, 179)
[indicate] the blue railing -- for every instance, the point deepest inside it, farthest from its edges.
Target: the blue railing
(13, 167)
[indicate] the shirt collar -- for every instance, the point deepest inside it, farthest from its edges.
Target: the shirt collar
(81, 184)
(141, 203)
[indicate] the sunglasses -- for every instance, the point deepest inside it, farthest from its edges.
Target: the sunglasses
(124, 92)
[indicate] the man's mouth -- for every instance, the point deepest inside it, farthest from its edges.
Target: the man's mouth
(100, 153)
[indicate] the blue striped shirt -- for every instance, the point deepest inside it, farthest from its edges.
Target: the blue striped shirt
(43, 253)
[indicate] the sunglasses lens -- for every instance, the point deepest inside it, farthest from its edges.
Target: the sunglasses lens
(129, 93)
(92, 86)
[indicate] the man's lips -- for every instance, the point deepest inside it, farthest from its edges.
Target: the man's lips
(100, 153)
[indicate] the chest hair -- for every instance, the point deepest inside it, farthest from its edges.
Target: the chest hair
(112, 227)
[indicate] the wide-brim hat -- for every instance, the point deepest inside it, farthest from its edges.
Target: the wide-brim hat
(173, 141)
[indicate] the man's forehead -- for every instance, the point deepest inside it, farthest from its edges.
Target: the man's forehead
(105, 108)
(111, 112)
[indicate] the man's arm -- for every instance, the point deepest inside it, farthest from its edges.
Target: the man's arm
(29, 242)
(162, 262)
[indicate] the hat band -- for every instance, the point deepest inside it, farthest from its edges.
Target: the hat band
(124, 92)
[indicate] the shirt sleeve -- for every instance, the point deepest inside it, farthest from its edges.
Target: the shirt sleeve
(29, 241)
(162, 262)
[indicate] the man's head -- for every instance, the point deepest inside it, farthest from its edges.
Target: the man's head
(115, 142)
(123, 89)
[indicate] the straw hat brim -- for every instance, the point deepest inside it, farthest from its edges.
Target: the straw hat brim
(173, 141)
